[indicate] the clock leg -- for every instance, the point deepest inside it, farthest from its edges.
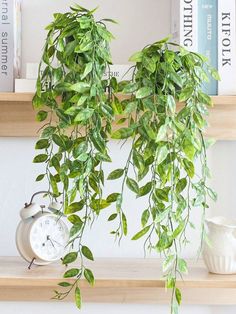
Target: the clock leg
(31, 263)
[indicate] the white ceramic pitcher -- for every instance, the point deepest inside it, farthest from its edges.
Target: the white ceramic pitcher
(220, 254)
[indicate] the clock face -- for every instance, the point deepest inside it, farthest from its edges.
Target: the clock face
(49, 237)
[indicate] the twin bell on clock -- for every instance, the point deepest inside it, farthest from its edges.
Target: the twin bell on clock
(41, 236)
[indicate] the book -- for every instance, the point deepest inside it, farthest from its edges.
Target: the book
(226, 47)
(25, 85)
(121, 72)
(10, 41)
(184, 23)
(207, 39)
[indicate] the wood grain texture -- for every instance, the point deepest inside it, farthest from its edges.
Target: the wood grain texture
(17, 116)
(117, 280)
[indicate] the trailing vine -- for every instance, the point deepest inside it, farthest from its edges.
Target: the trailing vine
(166, 142)
(77, 111)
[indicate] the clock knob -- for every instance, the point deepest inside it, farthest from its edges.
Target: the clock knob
(30, 211)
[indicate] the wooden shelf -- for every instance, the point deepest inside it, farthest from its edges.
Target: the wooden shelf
(17, 116)
(117, 280)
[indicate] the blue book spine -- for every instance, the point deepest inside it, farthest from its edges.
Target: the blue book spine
(207, 38)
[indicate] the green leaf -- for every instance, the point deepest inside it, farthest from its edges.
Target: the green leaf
(112, 197)
(87, 253)
(145, 217)
(116, 174)
(84, 115)
(124, 224)
(189, 168)
(212, 194)
(69, 258)
(144, 190)
(171, 104)
(64, 284)
(74, 219)
(48, 131)
(71, 273)
(74, 207)
(41, 115)
(53, 184)
(132, 185)
(104, 33)
(112, 217)
(162, 132)
(75, 229)
(58, 140)
(42, 144)
(162, 215)
(215, 74)
(130, 107)
(78, 298)
(182, 266)
(186, 93)
(141, 233)
(136, 57)
(80, 87)
(144, 92)
(81, 148)
(87, 70)
(83, 157)
(162, 154)
(89, 276)
(181, 185)
(149, 64)
(168, 263)
(178, 230)
(40, 177)
(189, 149)
(40, 158)
(162, 194)
(178, 296)
(122, 133)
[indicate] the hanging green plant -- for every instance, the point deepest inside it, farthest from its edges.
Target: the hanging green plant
(78, 113)
(166, 143)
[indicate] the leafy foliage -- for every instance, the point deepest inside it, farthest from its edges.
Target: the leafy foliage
(77, 111)
(166, 142)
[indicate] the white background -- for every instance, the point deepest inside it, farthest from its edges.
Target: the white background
(140, 22)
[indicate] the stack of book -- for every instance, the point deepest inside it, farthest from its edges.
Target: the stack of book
(208, 27)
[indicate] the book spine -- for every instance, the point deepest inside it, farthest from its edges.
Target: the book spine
(226, 47)
(207, 40)
(184, 23)
(6, 46)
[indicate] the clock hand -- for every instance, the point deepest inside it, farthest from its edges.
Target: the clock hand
(57, 242)
(49, 239)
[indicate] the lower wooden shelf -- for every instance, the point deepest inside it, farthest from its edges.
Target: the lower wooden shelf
(117, 280)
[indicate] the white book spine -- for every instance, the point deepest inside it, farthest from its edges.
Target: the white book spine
(226, 47)
(184, 23)
(10, 49)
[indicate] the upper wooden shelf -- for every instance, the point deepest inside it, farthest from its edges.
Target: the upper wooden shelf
(17, 116)
(117, 280)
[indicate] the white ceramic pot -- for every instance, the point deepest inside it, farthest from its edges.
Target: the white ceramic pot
(220, 253)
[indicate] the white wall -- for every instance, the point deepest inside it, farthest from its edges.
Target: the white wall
(141, 22)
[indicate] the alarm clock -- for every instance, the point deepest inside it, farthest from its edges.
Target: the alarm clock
(41, 236)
